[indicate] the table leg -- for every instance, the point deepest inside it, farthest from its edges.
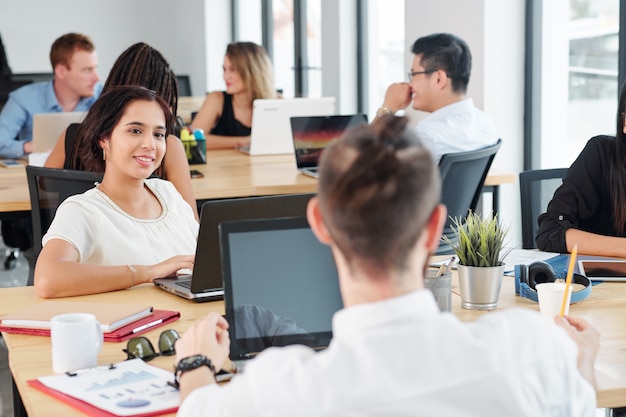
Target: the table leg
(18, 405)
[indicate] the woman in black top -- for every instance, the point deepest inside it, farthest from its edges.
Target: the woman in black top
(227, 115)
(589, 209)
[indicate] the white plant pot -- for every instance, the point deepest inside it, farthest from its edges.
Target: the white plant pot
(480, 286)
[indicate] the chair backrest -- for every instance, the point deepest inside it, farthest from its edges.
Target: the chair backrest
(462, 177)
(48, 188)
(184, 85)
(536, 188)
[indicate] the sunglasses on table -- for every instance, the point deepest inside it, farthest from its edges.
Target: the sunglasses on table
(141, 347)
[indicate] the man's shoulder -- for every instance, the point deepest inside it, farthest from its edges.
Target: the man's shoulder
(32, 88)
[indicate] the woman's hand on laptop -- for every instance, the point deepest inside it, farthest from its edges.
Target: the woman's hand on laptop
(167, 268)
(243, 143)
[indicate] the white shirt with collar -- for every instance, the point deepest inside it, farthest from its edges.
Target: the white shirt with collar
(402, 357)
(457, 127)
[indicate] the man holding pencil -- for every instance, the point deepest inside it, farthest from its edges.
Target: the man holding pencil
(393, 352)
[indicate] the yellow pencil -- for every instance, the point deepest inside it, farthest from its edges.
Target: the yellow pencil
(568, 280)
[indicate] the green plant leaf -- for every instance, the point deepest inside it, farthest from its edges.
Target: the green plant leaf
(478, 241)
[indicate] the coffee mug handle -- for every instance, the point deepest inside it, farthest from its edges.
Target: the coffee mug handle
(99, 337)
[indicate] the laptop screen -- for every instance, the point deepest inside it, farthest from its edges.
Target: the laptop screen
(311, 135)
(280, 285)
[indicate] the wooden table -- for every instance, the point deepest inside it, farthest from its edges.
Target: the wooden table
(227, 173)
(30, 356)
(605, 308)
(188, 105)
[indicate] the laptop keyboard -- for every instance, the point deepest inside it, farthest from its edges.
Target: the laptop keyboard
(185, 284)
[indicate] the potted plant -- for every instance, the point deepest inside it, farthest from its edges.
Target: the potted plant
(478, 246)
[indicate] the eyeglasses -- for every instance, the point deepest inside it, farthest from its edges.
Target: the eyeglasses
(412, 73)
(141, 347)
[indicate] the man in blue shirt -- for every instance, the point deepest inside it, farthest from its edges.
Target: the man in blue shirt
(75, 88)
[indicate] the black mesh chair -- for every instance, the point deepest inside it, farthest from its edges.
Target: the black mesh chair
(536, 188)
(462, 177)
(184, 85)
(48, 188)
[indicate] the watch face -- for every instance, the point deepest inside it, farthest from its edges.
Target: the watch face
(191, 362)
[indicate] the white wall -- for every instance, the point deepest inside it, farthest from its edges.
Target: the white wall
(494, 31)
(176, 29)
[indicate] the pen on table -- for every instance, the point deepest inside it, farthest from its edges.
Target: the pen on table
(148, 325)
(450, 265)
(568, 279)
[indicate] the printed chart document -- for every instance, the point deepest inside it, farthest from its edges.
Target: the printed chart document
(130, 388)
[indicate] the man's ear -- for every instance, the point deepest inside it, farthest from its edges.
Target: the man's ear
(60, 70)
(442, 79)
(314, 216)
(434, 227)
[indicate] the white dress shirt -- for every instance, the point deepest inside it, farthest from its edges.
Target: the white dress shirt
(458, 127)
(402, 357)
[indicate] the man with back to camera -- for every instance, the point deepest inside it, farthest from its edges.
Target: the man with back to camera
(393, 352)
(75, 88)
(438, 81)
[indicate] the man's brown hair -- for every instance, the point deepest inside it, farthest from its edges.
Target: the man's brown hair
(378, 187)
(65, 46)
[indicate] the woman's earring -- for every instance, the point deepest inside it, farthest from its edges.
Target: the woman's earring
(104, 154)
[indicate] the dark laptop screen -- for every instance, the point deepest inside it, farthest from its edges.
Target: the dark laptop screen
(280, 285)
(312, 134)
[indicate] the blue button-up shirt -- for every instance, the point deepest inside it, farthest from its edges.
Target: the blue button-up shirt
(16, 118)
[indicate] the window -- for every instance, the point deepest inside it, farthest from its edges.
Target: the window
(579, 77)
(386, 50)
(291, 33)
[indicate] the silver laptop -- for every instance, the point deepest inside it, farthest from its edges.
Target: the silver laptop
(205, 283)
(311, 135)
(271, 132)
(281, 286)
(47, 127)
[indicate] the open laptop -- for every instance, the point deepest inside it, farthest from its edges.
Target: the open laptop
(281, 286)
(47, 127)
(311, 135)
(271, 132)
(205, 282)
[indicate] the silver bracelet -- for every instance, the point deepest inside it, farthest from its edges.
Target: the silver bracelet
(132, 275)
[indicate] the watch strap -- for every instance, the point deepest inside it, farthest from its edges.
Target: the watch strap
(189, 364)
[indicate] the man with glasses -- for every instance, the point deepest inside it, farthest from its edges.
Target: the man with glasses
(437, 84)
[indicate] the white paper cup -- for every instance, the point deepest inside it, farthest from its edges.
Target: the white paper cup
(550, 296)
(76, 341)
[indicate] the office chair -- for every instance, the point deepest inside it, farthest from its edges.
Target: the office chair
(536, 188)
(184, 85)
(462, 177)
(48, 188)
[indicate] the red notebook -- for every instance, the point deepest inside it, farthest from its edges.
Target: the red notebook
(156, 319)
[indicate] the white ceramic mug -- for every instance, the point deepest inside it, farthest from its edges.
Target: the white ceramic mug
(550, 295)
(76, 341)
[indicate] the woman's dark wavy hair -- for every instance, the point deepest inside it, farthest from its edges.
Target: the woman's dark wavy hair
(377, 189)
(105, 114)
(140, 65)
(618, 169)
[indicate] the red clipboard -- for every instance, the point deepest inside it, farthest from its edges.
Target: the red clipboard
(157, 319)
(85, 406)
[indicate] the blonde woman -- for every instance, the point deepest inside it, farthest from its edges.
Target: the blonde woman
(227, 115)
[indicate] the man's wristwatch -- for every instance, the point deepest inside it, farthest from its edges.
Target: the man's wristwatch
(190, 363)
(383, 110)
